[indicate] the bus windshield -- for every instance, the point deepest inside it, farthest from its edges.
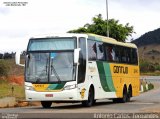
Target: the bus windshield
(44, 44)
(50, 60)
(50, 67)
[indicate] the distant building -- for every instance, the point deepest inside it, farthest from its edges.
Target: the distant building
(7, 56)
(1, 56)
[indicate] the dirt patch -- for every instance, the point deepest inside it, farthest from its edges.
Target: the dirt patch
(35, 103)
(22, 104)
(8, 102)
(12, 102)
(16, 79)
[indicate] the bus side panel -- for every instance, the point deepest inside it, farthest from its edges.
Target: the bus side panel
(113, 77)
(92, 78)
(97, 75)
(125, 75)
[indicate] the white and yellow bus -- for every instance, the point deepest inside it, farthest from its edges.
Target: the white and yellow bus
(80, 68)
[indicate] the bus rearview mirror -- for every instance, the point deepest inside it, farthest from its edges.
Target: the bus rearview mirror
(76, 55)
(17, 58)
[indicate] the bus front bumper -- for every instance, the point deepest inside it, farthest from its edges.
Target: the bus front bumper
(64, 95)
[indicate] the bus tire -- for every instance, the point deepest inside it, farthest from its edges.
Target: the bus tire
(129, 94)
(124, 98)
(94, 102)
(115, 100)
(46, 104)
(90, 101)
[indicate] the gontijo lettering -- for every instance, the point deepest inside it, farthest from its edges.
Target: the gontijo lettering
(120, 69)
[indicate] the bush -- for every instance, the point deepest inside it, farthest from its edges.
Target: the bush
(157, 67)
(4, 68)
(150, 86)
(147, 66)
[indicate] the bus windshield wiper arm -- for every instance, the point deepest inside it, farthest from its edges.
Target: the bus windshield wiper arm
(38, 80)
(57, 76)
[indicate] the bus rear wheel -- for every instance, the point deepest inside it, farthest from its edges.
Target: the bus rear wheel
(46, 104)
(124, 98)
(129, 94)
(90, 100)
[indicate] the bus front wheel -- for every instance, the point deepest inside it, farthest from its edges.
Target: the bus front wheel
(46, 104)
(90, 100)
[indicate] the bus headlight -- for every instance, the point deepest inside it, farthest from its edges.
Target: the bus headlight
(70, 87)
(29, 88)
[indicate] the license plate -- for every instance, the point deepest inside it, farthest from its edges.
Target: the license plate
(48, 95)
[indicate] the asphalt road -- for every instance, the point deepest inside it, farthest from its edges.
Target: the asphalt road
(147, 102)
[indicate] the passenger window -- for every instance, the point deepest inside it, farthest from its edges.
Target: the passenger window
(128, 55)
(134, 56)
(110, 53)
(123, 55)
(100, 51)
(92, 51)
(117, 54)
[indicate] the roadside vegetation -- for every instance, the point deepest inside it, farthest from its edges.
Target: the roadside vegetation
(4, 68)
(11, 79)
(146, 86)
(149, 68)
(9, 89)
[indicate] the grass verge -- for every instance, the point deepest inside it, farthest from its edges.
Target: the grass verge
(8, 89)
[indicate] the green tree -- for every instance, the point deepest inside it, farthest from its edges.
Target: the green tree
(99, 26)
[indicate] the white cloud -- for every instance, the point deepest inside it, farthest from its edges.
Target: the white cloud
(142, 14)
(15, 44)
(54, 16)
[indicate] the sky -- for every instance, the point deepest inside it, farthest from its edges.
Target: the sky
(34, 17)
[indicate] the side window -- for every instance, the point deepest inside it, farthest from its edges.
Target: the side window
(128, 55)
(134, 56)
(123, 55)
(117, 53)
(100, 51)
(92, 51)
(110, 52)
(82, 60)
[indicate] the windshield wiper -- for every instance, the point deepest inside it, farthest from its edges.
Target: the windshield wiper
(38, 80)
(40, 77)
(57, 76)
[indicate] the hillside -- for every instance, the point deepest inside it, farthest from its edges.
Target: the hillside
(149, 46)
(149, 52)
(149, 38)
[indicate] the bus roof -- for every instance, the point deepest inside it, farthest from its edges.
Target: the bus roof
(59, 35)
(89, 36)
(110, 40)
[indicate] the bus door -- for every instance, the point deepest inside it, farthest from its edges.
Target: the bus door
(82, 66)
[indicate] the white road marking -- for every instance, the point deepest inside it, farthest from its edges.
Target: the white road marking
(141, 103)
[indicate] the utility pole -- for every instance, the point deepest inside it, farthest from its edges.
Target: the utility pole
(107, 17)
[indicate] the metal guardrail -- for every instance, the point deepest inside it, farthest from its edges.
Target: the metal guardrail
(147, 80)
(150, 78)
